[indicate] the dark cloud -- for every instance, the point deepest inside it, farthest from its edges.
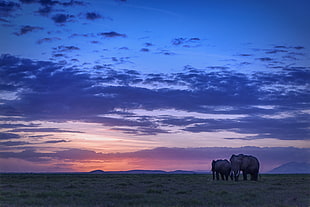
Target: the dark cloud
(264, 59)
(44, 11)
(121, 60)
(148, 44)
(48, 39)
(29, 155)
(14, 143)
(145, 50)
(4, 136)
(299, 47)
(63, 48)
(186, 42)
(4, 20)
(62, 18)
(141, 131)
(28, 1)
(123, 48)
(55, 141)
(10, 126)
(281, 46)
(53, 3)
(275, 51)
(26, 29)
(8, 7)
(55, 93)
(82, 35)
(245, 55)
(43, 130)
(93, 16)
(281, 128)
(112, 34)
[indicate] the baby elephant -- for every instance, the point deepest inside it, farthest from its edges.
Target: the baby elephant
(222, 167)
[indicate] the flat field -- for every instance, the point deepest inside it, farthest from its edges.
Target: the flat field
(166, 190)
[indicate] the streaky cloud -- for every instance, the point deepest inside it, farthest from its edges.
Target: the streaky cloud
(111, 34)
(6, 136)
(26, 29)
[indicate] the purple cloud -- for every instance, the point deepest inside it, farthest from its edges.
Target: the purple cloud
(5, 136)
(203, 91)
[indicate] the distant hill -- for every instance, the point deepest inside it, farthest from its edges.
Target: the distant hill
(97, 172)
(292, 168)
(144, 172)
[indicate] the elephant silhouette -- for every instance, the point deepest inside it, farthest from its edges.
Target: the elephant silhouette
(247, 164)
(221, 167)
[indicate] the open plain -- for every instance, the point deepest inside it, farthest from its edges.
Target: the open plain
(108, 190)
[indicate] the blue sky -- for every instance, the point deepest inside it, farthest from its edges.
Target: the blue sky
(88, 79)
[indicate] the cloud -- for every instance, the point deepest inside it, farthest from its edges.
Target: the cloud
(28, 155)
(264, 59)
(274, 51)
(53, 2)
(5, 136)
(282, 128)
(48, 39)
(245, 55)
(63, 48)
(62, 18)
(93, 16)
(104, 91)
(148, 44)
(26, 29)
(44, 11)
(166, 52)
(4, 20)
(55, 141)
(43, 130)
(14, 143)
(186, 42)
(8, 7)
(10, 126)
(145, 50)
(112, 34)
(141, 131)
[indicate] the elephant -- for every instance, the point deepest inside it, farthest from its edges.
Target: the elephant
(222, 167)
(247, 164)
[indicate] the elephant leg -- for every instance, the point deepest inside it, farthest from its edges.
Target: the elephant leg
(226, 177)
(217, 176)
(213, 173)
(222, 176)
(254, 176)
(245, 176)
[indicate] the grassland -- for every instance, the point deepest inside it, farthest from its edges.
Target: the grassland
(151, 190)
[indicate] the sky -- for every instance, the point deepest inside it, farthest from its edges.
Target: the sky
(165, 85)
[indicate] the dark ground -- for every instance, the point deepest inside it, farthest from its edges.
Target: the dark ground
(151, 190)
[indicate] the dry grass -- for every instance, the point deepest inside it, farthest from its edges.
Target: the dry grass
(151, 190)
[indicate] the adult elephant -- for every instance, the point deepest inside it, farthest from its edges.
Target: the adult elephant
(221, 167)
(247, 164)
